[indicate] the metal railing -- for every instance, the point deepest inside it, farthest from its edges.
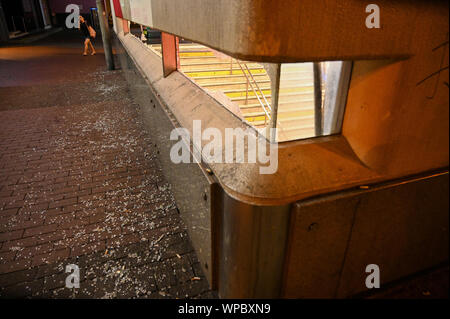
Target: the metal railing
(252, 82)
(20, 19)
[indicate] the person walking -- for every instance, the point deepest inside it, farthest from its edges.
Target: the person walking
(85, 29)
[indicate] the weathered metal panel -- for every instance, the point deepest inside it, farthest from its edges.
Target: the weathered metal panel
(319, 233)
(141, 10)
(251, 244)
(400, 226)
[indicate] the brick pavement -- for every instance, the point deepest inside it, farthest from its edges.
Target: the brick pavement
(80, 183)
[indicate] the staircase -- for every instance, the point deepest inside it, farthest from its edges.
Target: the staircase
(216, 72)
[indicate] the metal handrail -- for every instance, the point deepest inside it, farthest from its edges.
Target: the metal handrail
(254, 91)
